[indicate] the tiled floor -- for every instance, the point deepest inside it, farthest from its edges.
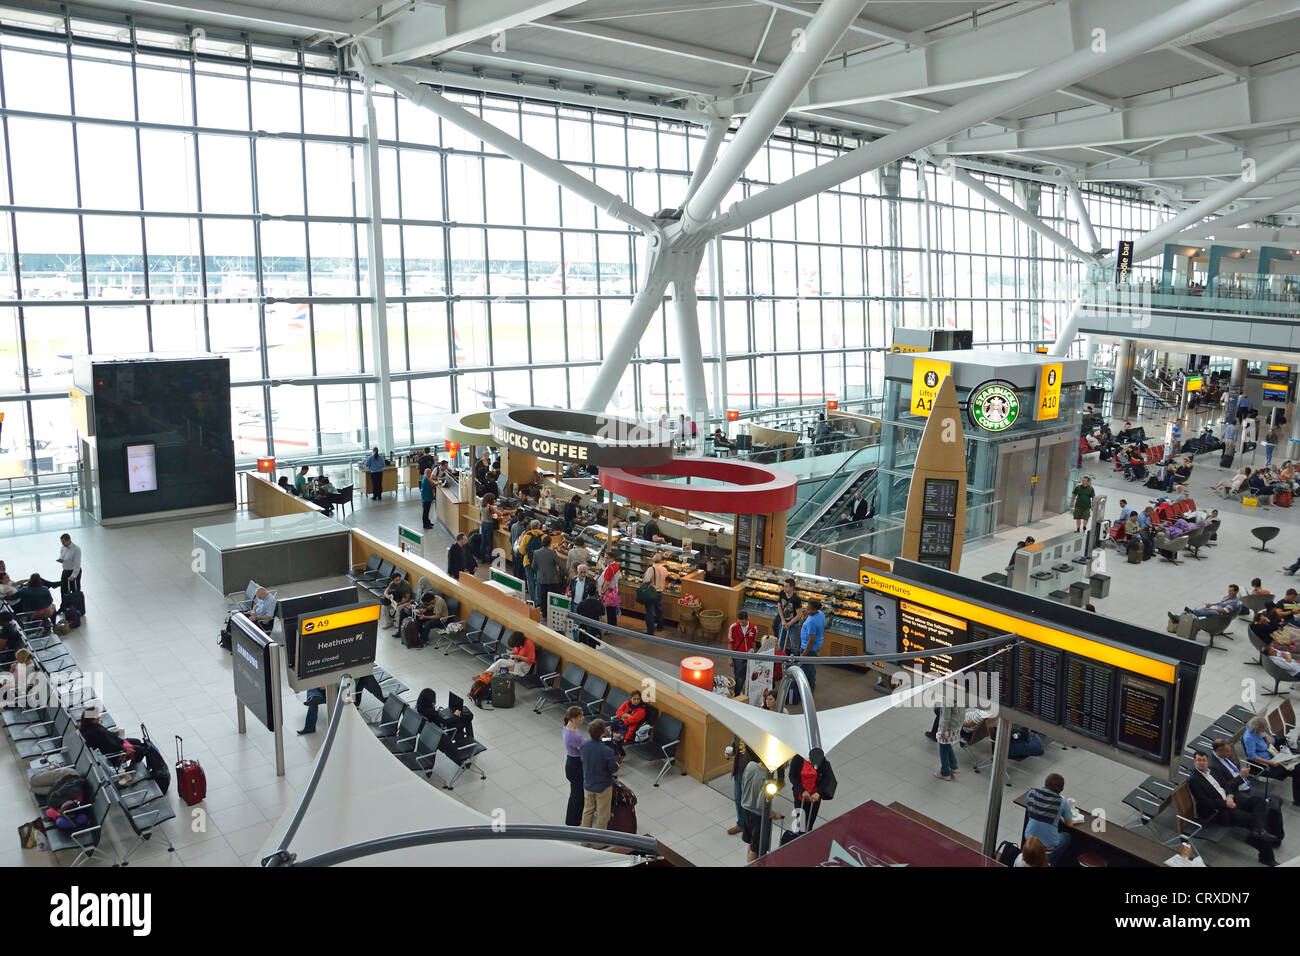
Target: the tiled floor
(152, 625)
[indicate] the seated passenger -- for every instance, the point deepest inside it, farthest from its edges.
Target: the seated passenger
(1227, 605)
(518, 661)
(1046, 810)
(397, 594)
(34, 598)
(1031, 853)
(628, 717)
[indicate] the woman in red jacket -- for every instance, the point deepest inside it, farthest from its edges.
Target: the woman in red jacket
(629, 715)
(812, 781)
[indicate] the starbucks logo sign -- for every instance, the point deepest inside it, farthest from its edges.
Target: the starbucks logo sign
(994, 406)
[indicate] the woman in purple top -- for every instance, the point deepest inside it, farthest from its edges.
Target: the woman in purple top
(573, 738)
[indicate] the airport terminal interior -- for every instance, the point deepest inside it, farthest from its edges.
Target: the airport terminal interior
(838, 335)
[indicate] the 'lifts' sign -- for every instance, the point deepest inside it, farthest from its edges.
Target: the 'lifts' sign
(1049, 392)
(927, 374)
(335, 641)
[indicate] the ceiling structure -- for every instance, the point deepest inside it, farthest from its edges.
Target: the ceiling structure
(1178, 122)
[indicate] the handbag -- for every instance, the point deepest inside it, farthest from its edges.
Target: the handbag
(646, 593)
(27, 834)
(610, 597)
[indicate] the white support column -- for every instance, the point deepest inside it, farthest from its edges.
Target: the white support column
(1155, 240)
(1015, 212)
(381, 433)
(1155, 32)
(1081, 210)
(810, 49)
(1065, 338)
(619, 354)
(717, 331)
(712, 141)
(685, 305)
(498, 138)
(1232, 220)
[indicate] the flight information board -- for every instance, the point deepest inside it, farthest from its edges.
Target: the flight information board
(1089, 697)
(1143, 717)
(936, 542)
(998, 670)
(1038, 681)
(924, 629)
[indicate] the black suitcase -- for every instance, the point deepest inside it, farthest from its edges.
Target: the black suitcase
(75, 600)
(1225, 460)
(503, 690)
(411, 634)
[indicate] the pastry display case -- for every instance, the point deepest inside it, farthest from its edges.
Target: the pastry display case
(841, 600)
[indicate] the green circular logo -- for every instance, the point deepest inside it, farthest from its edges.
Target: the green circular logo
(994, 406)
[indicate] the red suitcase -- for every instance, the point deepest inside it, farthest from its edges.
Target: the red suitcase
(191, 781)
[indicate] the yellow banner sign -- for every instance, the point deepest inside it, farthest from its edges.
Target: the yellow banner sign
(1049, 392)
(330, 622)
(926, 376)
(907, 349)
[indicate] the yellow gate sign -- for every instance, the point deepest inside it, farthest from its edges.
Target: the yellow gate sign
(1049, 392)
(927, 374)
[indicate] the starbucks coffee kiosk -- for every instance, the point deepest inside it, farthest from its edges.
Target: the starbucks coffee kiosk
(1020, 413)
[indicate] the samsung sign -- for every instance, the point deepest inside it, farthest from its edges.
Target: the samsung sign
(251, 651)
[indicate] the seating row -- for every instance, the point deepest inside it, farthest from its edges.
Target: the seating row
(47, 735)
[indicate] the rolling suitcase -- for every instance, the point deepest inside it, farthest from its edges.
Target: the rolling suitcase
(1282, 499)
(503, 690)
(622, 814)
(411, 635)
(1225, 460)
(191, 781)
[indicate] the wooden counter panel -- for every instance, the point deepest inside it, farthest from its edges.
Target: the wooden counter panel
(266, 499)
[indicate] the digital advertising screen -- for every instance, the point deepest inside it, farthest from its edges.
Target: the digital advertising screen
(141, 468)
(879, 623)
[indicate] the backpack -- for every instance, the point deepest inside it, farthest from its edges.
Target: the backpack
(159, 769)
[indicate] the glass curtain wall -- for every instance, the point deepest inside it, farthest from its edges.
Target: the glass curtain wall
(180, 195)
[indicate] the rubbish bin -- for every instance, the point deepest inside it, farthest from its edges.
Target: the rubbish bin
(1100, 585)
(997, 577)
(1040, 582)
(1079, 593)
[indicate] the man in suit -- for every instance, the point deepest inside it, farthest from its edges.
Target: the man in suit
(859, 510)
(1214, 799)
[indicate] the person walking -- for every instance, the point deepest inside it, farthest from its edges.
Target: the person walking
(599, 768)
(741, 637)
(1081, 502)
(460, 558)
(609, 594)
(652, 593)
(811, 636)
(812, 781)
(375, 466)
(426, 497)
(487, 525)
(737, 753)
(947, 734)
(70, 558)
(548, 571)
(1270, 442)
(572, 736)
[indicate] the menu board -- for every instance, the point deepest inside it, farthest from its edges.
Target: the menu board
(1143, 705)
(1038, 681)
(936, 543)
(923, 629)
(1089, 697)
(744, 545)
(939, 498)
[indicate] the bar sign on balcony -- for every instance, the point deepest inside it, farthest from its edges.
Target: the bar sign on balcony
(1123, 261)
